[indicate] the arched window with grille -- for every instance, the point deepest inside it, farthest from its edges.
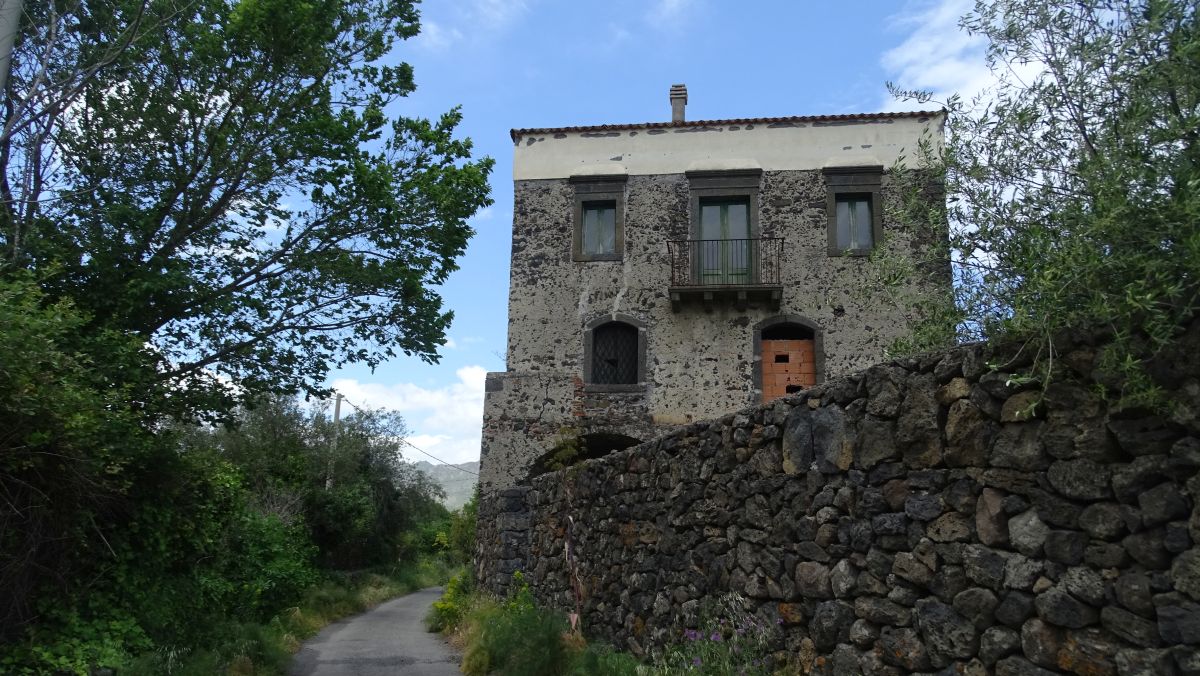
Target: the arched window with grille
(614, 352)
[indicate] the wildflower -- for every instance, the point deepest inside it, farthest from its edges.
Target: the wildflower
(716, 636)
(691, 634)
(696, 661)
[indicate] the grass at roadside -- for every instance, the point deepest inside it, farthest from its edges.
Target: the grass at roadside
(515, 637)
(258, 649)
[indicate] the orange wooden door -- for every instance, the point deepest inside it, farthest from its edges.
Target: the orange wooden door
(787, 366)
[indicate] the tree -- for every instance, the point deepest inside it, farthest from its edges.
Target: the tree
(228, 186)
(200, 201)
(1073, 184)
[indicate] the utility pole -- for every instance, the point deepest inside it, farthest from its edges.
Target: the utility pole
(337, 428)
(10, 23)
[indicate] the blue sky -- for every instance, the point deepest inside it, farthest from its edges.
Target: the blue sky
(547, 63)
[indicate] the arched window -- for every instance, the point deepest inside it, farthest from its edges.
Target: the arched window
(614, 354)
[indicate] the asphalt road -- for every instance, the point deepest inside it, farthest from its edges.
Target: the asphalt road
(391, 639)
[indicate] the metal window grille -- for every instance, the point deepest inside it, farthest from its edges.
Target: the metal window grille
(615, 354)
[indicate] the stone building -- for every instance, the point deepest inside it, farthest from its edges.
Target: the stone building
(670, 272)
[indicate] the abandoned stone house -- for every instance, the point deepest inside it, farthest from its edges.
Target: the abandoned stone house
(670, 272)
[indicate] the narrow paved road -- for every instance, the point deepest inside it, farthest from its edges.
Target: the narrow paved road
(391, 639)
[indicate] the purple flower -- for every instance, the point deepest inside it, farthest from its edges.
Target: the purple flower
(716, 636)
(696, 661)
(691, 634)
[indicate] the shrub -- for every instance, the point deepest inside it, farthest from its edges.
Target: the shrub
(730, 640)
(448, 611)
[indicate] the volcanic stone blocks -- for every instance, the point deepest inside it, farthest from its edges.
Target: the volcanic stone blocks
(1042, 537)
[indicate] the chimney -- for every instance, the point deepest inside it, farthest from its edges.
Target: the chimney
(678, 101)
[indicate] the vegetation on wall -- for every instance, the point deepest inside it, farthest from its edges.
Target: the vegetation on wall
(1073, 185)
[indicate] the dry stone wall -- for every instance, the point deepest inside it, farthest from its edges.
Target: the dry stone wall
(930, 515)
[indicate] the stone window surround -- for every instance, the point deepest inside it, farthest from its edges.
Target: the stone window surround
(707, 183)
(588, 328)
(857, 180)
(598, 188)
(818, 348)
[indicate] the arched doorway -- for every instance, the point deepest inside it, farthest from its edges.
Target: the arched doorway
(573, 450)
(790, 357)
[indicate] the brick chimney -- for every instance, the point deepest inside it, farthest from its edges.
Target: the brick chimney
(678, 102)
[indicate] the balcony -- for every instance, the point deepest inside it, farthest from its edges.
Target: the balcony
(744, 271)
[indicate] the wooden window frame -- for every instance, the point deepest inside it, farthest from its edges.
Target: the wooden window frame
(845, 182)
(591, 189)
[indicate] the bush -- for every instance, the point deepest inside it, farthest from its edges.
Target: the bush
(448, 611)
(730, 640)
(516, 638)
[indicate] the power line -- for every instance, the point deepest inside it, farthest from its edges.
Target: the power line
(414, 446)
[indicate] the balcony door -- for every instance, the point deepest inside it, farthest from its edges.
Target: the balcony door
(725, 255)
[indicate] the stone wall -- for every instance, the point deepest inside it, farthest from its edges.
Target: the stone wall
(920, 516)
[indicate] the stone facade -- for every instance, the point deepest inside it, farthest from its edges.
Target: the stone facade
(923, 515)
(699, 359)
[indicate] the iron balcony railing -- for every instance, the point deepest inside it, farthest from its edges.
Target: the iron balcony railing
(725, 262)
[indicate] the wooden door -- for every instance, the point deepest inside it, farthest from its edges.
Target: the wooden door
(787, 366)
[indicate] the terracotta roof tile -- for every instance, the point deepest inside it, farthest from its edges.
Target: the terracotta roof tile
(518, 133)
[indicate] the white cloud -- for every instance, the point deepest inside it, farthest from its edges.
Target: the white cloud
(437, 38)
(448, 418)
(450, 344)
(664, 11)
(497, 13)
(937, 55)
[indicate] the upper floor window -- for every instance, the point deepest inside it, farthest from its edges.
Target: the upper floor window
(852, 203)
(599, 219)
(853, 217)
(599, 236)
(724, 252)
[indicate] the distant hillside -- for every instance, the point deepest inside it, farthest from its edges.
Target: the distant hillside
(458, 484)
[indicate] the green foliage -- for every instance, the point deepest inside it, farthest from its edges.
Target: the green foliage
(730, 640)
(1073, 186)
(516, 637)
(203, 205)
(461, 538)
(359, 502)
(266, 647)
(231, 185)
(449, 610)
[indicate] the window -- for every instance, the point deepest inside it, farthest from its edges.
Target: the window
(724, 207)
(599, 232)
(614, 350)
(599, 229)
(614, 354)
(855, 222)
(724, 246)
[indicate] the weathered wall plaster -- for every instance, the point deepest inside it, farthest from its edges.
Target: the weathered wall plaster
(772, 146)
